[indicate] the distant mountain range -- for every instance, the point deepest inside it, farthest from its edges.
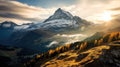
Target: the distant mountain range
(35, 36)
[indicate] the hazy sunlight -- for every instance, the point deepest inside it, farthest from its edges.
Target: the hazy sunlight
(106, 16)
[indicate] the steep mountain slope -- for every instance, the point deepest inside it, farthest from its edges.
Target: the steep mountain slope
(103, 51)
(101, 56)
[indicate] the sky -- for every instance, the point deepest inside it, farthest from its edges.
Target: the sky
(24, 11)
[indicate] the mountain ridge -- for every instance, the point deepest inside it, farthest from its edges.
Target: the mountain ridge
(60, 13)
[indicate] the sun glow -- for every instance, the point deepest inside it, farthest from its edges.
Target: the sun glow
(106, 16)
(102, 17)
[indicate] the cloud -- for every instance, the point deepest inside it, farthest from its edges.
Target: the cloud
(110, 26)
(13, 10)
(116, 21)
(113, 25)
(70, 36)
(115, 9)
(52, 44)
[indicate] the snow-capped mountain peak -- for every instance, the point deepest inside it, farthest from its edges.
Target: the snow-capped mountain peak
(60, 14)
(59, 11)
(61, 20)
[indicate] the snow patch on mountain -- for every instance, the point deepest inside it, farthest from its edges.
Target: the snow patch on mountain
(59, 23)
(21, 27)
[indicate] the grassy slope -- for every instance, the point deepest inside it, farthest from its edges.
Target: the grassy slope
(76, 54)
(86, 58)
